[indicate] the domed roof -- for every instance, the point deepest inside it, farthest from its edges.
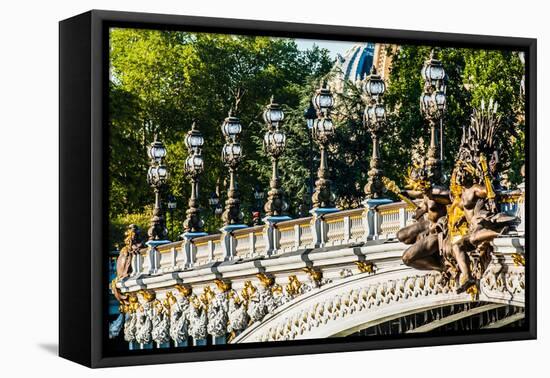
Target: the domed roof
(355, 64)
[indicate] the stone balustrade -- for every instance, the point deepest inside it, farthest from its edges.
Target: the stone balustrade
(327, 230)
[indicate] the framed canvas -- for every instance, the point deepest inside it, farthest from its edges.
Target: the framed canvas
(359, 188)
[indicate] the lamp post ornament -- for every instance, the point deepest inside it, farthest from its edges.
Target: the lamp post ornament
(322, 132)
(432, 105)
(231, 155)
(310, 114)
(374, 119)
(194, 166)
(274, 146)
(157, 175)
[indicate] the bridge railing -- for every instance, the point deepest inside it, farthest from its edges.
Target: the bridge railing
(333, 229)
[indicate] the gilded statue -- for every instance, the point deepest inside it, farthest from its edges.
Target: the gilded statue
(132, 245)
(455, 227)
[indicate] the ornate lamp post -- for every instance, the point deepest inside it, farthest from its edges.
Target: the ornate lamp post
(374, 119)
(194, 166)
(274, 146)
(171, 205)
(310, 114)
(259, 196)
(214, 202)
(157, 176)
(432, 104)
(322, 133)
(232, 155)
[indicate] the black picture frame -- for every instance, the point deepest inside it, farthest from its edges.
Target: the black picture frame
(83, 104)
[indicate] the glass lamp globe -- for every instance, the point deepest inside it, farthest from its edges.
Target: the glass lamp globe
(258, 194)
(231, 127)
(194, 139)
(374, 85)
(194, 164)
(432, 70)
(156, 151)
(323, 99)
(380, 112)
(162, 174)
(440, 100)
(273, 114)
(231, 152)
(279, 138)
(310, 115)
(214, 199)
(425, 101)
(325, 127)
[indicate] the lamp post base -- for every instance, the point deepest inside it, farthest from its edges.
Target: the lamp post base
(323, 210)
(275, 219)
(372, 202)
(156, 243)
(232, 227)
(192, 235)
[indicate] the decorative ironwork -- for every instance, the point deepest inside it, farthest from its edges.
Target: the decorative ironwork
(157, 176)
(322, 133)
(374, 119)
(433, 103)
(274, 146)
(232, 155)
(455, 227)
(194, 166)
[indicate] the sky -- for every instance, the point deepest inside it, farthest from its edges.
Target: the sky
(335, 47)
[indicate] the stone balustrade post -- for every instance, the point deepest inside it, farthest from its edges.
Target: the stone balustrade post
(297, 235)
(272, 234)
(252, 244)
(228, 245)
(188, 256)
(137, 264)
(347, 229)
(372, 217)
(152, 255)
(402, 217)
(228, 240)
(319, 226)
(521, 209)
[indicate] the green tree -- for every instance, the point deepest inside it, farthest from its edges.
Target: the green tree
(163, 81)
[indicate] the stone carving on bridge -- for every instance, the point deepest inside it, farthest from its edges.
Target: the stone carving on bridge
(179, 316)
(340, 306)
(144, 317)
(161, 322)
(455, 226)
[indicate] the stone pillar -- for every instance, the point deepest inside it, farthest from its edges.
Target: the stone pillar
(227, 240)
(521, 209)
(153, 255)
(188, 248)
(347, 229)
(137, 264)
(402, 217)
(372, 218)
(271, 234)
(318, 225)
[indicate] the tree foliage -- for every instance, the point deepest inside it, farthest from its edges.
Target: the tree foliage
(162, 81)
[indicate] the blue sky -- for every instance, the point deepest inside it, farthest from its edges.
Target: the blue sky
(335, 47)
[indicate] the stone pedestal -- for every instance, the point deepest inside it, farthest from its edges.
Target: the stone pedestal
(227, 240)
(187, 247)
(318, 226)
(372, 218)
(153, 255)
(271, 235)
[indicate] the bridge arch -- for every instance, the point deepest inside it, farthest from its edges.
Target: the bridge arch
(361, 301)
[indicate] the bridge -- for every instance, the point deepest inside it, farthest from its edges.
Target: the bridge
(329, 275)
